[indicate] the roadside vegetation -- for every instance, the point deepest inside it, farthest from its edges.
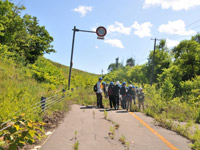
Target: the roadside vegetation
(26, 76)
(175, 93)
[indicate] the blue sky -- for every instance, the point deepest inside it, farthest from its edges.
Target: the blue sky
(130, 26)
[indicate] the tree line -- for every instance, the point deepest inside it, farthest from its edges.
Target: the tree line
(176, 71)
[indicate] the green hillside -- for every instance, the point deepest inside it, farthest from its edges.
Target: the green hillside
(21, 86)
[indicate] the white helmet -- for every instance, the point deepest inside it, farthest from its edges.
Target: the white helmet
(130, 86)
(117, 82)
(140, 88)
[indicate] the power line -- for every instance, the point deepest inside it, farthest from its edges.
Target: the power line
(185, 27)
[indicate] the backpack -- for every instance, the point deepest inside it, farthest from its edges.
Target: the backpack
(95, 88)
(110, 90)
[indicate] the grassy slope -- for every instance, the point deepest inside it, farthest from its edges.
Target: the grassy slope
(20, 86)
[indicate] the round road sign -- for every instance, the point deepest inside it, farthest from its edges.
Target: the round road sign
(101, 31)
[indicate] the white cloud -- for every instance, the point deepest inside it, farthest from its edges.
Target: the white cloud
(171, 43)
(83, 10)
(93, 29)
(175, 27)
(114, 43)
(96, 46)
(142, 30)
(119, 27)
(174, 4)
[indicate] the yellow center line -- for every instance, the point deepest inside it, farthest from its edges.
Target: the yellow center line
(156, 133)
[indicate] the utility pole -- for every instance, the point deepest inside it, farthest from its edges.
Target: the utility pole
(152, 72)
(102, 72)
(117, 62)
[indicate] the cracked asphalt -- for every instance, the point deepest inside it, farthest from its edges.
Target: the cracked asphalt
(93, 132)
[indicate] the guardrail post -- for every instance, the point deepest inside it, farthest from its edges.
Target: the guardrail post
(43, 101)
(63, 92)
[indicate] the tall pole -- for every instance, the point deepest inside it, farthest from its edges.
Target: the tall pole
(71, 61)
(152, 72)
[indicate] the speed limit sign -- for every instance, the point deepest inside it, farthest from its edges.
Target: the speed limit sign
(101, 31)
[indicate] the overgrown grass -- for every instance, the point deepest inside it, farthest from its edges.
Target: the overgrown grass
(170, 112)
(23, 86)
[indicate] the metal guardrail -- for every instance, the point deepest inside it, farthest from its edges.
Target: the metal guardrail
(44, 104)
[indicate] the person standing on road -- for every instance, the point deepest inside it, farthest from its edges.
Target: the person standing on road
(104, 87)
(130, 95)
(111, 94)
(116, 93)
(123, 93)
(141, 98)
(106, 90)
(134, 95)
(99, 93)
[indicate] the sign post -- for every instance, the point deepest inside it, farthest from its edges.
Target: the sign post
(100, 31)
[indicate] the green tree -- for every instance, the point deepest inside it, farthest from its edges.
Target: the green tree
(39, 41)
(130, 62)
(115, 66)
(137, 74)
(187, 57)
(196, 38)
(162, 60)
(168, 89)
(23, 35)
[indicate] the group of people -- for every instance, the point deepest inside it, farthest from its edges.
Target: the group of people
(119, 94)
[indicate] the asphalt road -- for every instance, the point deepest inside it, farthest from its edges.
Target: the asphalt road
(93, 132)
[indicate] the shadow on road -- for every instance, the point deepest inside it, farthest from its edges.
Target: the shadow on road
(87, 107)
(108, 109)
(122, 111)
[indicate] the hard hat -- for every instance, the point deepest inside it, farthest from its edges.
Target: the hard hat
(133, 86)
(123, 83)
(117, 82)
(100, 78)
(111, 83)
(130, 86)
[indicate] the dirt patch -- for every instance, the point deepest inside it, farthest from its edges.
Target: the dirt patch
(52, 122)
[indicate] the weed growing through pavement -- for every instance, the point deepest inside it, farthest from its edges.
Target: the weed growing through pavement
(76, 142)
(116, 126)
(127, 145)
(93, 114)
(76, 145)
(76, 135)
(112, 132)
(122, 139)
(105, 114)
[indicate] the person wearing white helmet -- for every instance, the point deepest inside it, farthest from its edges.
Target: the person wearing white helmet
(130, 95)
(116, 93)
(141, 98)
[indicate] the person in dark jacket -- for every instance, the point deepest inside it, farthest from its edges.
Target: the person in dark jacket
(111, 94)
(130, 96)
(123, 93)
(116, 93)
